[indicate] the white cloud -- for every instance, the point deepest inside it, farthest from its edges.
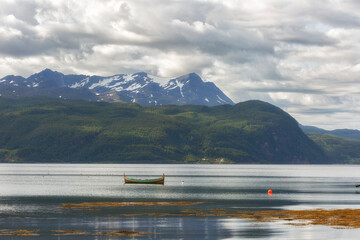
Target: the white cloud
(303, 56)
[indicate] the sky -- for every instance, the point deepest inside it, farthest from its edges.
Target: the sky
(302, 56)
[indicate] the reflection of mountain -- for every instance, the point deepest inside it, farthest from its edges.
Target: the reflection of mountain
(55, 130)
(139, 87)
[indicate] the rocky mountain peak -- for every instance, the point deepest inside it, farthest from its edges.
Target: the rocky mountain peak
(138, 87)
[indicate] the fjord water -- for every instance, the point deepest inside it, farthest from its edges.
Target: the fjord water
(31, 198)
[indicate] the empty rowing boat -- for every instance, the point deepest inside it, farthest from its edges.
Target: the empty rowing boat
(160, 180)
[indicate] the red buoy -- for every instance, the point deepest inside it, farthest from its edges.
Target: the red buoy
(269, 191)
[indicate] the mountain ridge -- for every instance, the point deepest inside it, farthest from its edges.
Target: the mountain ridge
(344, 133)
(138, 87)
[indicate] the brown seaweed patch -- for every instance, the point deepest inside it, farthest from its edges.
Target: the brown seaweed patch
(344, 218)
(70, 233)
(339, 218)
(18, 232)
(124, 233)
(199, 213)
(153, 214)
(130, 214)
(91, 205)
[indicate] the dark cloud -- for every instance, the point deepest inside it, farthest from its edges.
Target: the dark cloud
(22, 10)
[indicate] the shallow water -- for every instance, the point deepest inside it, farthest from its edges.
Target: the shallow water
(31, 197)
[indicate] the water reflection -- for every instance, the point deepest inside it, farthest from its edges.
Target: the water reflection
(31, 194)
(173, 227)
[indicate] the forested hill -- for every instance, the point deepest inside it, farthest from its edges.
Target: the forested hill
(55, 130)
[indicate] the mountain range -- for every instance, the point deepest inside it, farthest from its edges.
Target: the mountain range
(140, 88)
(344, 133)
(58, 130)
(35, 128)
(341, 145)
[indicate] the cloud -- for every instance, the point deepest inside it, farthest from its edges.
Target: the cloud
(300, 55)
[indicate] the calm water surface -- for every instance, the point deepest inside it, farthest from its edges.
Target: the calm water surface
(31, 196)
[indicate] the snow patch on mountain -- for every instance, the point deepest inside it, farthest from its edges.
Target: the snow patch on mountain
(221, 100)
(159, 80)
(105, 82)
(175, 83)
(140, 87)
(128, 78)
(180, 85)
(134, 86)
(82, 83)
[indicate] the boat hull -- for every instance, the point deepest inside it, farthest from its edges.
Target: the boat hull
(145, 181)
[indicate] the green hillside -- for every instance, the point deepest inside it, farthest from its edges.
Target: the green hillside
(54, 130)
(342, 150)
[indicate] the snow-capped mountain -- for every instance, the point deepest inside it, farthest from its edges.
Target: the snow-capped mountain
(141, 88)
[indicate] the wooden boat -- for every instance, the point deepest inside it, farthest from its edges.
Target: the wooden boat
(145, 181)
